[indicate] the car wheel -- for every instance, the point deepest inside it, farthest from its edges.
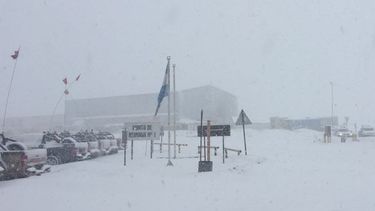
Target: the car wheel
(52, 160)
(2, 172)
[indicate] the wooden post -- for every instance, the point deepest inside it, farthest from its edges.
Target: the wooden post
(200, 142)
(208, 139)
(152, 148)
(204, 147)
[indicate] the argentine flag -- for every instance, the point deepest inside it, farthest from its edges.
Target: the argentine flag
(164, 91)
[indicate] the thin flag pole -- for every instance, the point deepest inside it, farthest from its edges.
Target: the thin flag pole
(9, 89)
(54, 110)
(174, 111)
(331, 83)
(66, 88)
(169, 114)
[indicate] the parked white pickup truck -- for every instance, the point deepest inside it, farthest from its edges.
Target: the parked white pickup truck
(107, 142)
(35, 157)
(90, 139)
(82, 148)
(18, 160)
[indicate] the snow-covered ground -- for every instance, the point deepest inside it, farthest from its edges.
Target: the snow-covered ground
(284, 170)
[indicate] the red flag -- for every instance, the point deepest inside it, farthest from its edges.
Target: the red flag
(15, 55)
(65, 80)
(66, 92)
(78, 77)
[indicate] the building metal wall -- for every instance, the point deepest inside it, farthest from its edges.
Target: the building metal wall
(219, 106)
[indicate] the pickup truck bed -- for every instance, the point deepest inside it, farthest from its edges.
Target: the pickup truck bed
(35, 157)
(15, 164)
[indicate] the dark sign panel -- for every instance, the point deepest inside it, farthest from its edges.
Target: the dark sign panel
(216, 130)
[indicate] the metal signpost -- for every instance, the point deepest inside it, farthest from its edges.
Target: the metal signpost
(208, 131)
(223, 149)
(141, 131)
(125, 142)
(327, 134)
(243, 120)
(161, 138)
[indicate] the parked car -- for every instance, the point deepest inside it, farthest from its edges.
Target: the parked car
(92, 142)
(57, 151)
(17, 160)
(344, 132)
(36, 157)
(107, 142)
(366, 130)
(82, 148)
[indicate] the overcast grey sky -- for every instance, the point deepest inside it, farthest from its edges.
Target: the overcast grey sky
(277, 57)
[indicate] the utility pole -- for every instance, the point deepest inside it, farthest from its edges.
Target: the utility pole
(65, 94)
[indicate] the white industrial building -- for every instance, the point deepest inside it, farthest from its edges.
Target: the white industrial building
(219, 106)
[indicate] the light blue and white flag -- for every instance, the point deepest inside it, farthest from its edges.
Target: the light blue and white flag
(164, 90)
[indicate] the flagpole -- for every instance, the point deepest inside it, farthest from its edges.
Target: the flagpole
(54, 111)
(174, 111)
(169, 114)
(9, 89)
(65, 93)
(64, 126)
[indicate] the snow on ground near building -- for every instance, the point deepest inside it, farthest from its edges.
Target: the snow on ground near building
(284, 170)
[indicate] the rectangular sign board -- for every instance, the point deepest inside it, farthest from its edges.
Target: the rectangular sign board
(143, 130)
(216, 130)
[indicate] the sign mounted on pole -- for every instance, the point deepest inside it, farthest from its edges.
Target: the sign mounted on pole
(215, 130)
(243, 119)
(143, 130)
